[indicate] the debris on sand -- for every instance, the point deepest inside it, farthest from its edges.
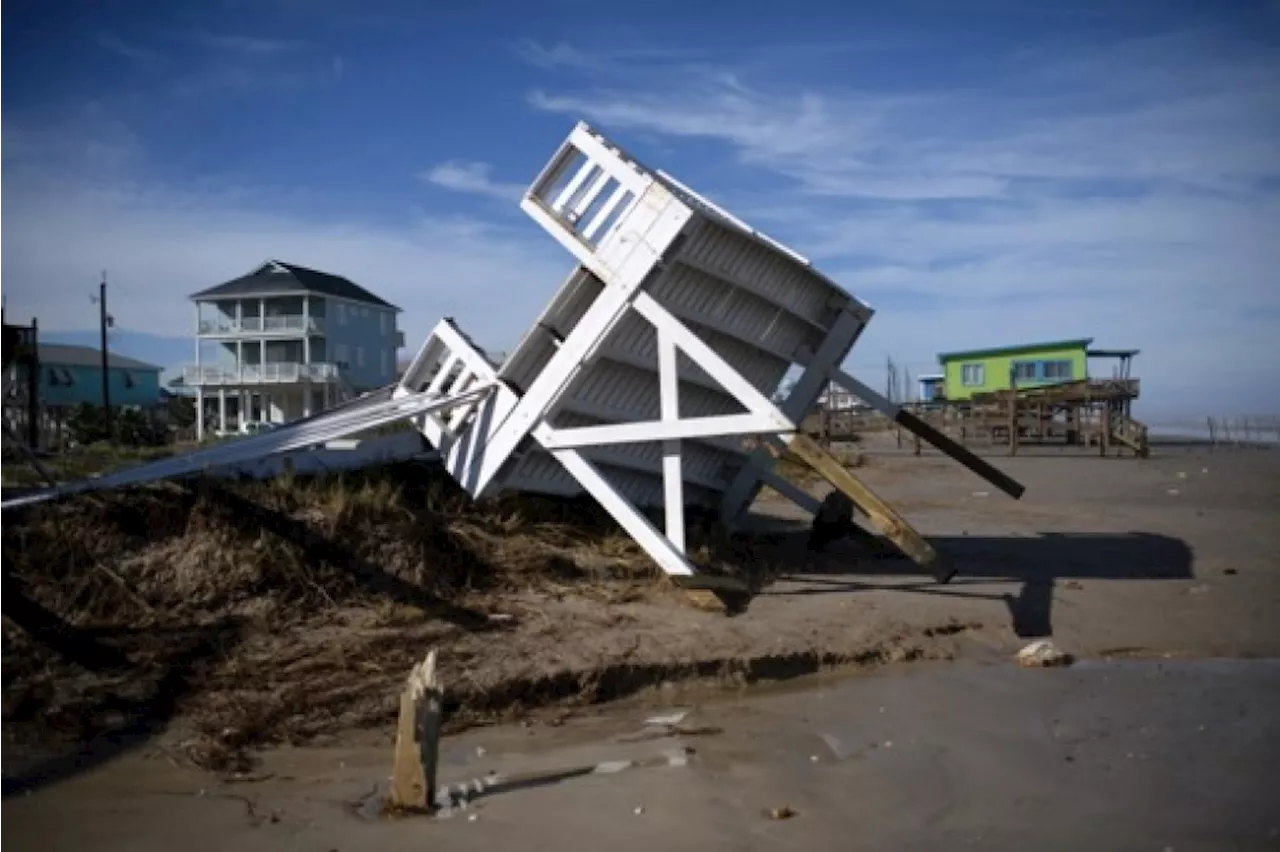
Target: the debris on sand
(274, 612)
(1043, 654)
(783, 812)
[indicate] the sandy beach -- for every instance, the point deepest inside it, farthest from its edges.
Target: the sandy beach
(1151, 573)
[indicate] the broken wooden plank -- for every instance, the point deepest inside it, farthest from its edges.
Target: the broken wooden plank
(413, 777)
(889, 522)
(915, 424)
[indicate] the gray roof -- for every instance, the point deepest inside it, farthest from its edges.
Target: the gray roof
(64, 355)
(275, 276)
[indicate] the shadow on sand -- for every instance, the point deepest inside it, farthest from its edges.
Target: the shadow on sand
(1038, 563)
(141, 689)
(132, 680)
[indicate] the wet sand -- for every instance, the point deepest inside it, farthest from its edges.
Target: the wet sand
(1124, 755)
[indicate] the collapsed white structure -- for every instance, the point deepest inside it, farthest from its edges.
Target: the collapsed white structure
(642, 378)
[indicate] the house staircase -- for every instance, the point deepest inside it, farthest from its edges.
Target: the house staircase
(1131, 433)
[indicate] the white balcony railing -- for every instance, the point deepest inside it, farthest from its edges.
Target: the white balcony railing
(287, 324)
(258, 374)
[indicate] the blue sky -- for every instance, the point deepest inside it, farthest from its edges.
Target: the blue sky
(981, 173)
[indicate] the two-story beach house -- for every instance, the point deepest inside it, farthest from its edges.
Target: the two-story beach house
(285, 342)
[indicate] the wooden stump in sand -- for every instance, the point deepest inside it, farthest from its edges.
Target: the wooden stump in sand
(413, 778)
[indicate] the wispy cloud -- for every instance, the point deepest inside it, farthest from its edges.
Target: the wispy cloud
(136, 53)
(471, 177)
(616, 58)
(1129, 197)
(249, 45)
(161, 245)
(161, 242)
(1137, 111)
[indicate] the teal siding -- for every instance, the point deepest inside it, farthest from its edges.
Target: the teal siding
(131, 387)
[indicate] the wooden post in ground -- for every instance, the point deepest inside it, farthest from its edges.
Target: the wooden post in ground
(1013, 413)
(889, 522)
(413, 777)
(1104, 434)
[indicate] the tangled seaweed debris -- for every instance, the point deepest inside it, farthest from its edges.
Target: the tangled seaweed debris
(266, 612)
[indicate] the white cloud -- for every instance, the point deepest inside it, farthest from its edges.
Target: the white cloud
(248, 45)
(471, 177)
(159, 245)
(135, 53)
(1129, 198)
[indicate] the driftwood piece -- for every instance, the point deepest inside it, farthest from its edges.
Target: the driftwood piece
(413, 777)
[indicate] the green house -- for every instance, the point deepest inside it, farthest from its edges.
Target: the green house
(986, 370)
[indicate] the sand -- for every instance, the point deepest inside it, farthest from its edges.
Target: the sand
(1175, 557)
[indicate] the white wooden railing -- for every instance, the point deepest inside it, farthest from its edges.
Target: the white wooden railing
(254, 325)
(258, 374)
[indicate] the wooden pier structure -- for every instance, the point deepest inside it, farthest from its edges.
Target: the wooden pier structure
(1084, 413)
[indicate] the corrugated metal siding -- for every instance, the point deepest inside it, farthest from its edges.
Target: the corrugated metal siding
(770, 274)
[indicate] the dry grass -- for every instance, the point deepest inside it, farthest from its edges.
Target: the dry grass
(79, 463)
(273, 611)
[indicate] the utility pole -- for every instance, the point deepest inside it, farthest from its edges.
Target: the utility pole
(103, 320)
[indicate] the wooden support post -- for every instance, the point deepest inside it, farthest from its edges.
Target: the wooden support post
(1104, 434)
(1013, 413)
(413, 778)
(889, 522)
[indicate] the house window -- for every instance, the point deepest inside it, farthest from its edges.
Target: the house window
(341, 354)
(128, 379)
(359, 356)
(342, 313)
(1057, 371)
(53, 377)
(382, 322)
(973, 375)
(1024, 371)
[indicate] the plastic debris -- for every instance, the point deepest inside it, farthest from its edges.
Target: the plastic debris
(1043, 654)
(667, 720)
(639, 811)
(784, 812)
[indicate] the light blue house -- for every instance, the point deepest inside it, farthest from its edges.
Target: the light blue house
(285, 342)
(71, 375)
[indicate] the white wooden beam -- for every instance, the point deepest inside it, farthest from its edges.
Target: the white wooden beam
(672, 481)
(661, 430)
(584, 171)
(710, 361)
(658, 546)
(834, 349)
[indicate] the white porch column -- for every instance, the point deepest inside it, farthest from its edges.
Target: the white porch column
(199, 413)
(307, 396)
(222, 410)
